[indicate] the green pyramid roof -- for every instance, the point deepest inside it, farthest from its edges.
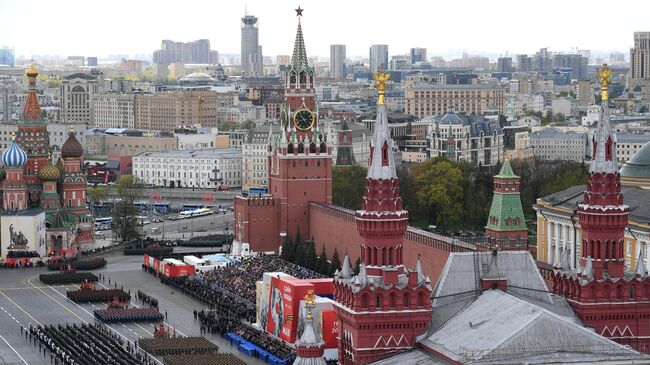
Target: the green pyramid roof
(506, 171)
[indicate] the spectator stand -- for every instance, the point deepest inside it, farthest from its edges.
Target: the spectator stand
(256, 343)
(17, 259)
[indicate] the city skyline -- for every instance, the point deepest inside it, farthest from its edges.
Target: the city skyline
(412, 25)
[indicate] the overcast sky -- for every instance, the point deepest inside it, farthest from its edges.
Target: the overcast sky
(100, 28)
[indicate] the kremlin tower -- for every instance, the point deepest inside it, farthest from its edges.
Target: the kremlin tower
(385, 307)
(613, 302)
(506, 227)
(299, 164)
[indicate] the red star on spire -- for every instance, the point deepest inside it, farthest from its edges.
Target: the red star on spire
(299, 11)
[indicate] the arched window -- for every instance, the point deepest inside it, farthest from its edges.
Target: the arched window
(393, 300)
(384, 154)
(406, 299)
(619, 292)
(632, 292)
(364, 300)
(420, 299)
(378, 300)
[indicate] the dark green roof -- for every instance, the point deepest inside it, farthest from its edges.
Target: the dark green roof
(639, 164)
(506, 171)
(506, 206)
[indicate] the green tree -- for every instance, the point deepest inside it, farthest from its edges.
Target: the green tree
(298, 249)
(125, 224)
(357, 266)
(335, 264)
(96, 195)
(322, 266)
(438, 190)
(287, 249)
(310, 255)
(347, 185)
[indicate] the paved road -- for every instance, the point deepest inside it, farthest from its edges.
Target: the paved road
(24, 299)
(184, 228)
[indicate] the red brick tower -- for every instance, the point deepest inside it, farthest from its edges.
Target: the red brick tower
(614, 302)
(344, 150)
(300, 161)
(73, 187)
(385, 307)
(32, 136)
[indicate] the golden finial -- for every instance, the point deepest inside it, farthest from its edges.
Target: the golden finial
(381, 77)
(310, 302)
(604, 73)
(72, 129)
(31, 71)
(13, 136)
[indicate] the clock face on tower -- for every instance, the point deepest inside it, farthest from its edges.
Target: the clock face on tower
(303, 119)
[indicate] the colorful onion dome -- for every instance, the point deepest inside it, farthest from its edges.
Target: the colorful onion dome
(72, 147)
(49, 172)
(14, 156)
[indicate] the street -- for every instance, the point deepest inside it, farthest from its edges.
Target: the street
(179, 229)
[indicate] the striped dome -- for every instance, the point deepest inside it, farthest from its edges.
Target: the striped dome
(72, 147)
(14, 156)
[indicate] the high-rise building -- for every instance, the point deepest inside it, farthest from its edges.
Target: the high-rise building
(7, 57)
(524, 63)
(91, 61)
(282, 60)
(542, 61)
(190, 52)
(504, 64)
(576, 62)
(77, 91)
(418, 55)
(337, 61)
(251, 51)
(640, 56)
(378, 57)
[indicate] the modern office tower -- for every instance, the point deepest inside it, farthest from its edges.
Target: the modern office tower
(7, 57)
(378, 57)
(542, 61)
(418, 55)
(91, 61)
(77, 60)
(251, 51)
(337, 61)
(504, 64)
(640, 56)
(524, 63)
(196, 52)
(576, 62)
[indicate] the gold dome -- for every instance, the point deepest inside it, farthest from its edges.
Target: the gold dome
(31, 71)
(49, 172)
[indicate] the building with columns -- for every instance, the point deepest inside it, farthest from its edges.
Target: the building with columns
(591, 243)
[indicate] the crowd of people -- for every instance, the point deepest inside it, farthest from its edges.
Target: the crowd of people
(261, 339)
(84, 345)
(229, 293)
(240, 277)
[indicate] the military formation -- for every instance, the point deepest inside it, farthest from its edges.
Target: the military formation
(67, 277)
(84, 345)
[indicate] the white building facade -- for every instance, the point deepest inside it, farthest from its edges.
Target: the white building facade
(205, 168)
(113, 110)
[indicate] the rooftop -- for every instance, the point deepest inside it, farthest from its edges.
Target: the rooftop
(639, 165)
(206, 153)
